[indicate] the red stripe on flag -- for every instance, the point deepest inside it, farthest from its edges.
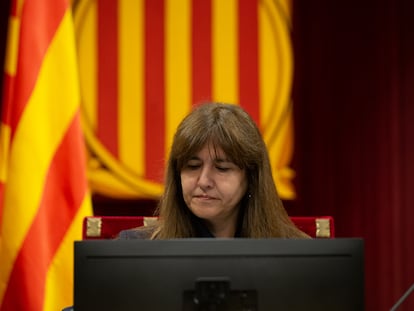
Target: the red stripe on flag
(201, 53)
(46, 17)
(8, 85)
(64, 189)
(248, 57)
(154, 89)
(107, 127)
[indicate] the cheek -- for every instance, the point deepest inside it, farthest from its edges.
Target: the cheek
(186, 183)
(234, 190)
(241, 190)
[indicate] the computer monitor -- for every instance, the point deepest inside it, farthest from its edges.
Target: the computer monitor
(219, 274)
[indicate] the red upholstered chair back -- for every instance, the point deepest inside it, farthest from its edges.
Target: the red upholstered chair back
(108, 227)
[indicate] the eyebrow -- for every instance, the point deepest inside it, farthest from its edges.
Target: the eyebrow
(217, 160)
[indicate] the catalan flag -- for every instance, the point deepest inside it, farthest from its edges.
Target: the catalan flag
(145, 63)
(43, 186)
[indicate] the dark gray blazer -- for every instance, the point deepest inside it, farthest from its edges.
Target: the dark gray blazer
(140, 233)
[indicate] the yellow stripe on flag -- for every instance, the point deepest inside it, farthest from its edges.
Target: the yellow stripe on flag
(225, 51)
(12, 45)
(4, 156)
(131, 85)
(178, 65)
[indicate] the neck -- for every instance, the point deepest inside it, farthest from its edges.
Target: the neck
(225, 230)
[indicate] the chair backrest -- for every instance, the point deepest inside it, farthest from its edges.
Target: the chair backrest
(108, 227)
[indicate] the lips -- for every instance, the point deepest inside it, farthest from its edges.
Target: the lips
(204, 197)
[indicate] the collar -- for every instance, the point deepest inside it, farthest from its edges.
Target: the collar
(203, 232)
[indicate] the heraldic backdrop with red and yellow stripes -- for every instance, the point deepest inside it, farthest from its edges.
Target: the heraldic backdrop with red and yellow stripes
(145, 63)
(44, 194)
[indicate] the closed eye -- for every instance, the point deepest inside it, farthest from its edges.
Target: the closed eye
(192, 166)
(222, 169)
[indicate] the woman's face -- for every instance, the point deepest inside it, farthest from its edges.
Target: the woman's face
(213, 187)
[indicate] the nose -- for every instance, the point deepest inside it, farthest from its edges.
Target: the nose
(205, 179)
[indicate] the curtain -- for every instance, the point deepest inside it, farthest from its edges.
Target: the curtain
(354, 132)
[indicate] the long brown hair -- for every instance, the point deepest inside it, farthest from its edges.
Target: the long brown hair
(229, 127)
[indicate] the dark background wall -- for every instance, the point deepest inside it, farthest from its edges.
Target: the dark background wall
(354, 118)
(354, 131)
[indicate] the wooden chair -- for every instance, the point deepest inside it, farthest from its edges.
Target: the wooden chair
(108, 227)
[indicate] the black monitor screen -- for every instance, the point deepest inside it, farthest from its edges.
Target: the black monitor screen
(219, 274)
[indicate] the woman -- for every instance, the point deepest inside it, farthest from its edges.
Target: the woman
(218, 181)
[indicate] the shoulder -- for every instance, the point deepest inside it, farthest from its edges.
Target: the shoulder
(141, 233)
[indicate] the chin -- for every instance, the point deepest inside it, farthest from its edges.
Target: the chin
(203, 214)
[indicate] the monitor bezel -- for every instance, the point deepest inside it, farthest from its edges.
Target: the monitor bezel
(167, 252)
